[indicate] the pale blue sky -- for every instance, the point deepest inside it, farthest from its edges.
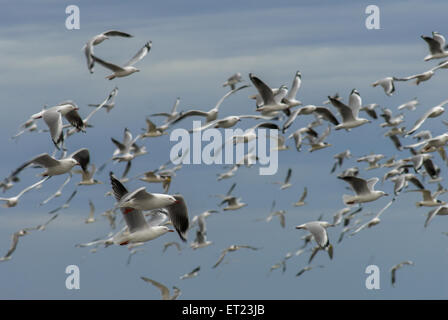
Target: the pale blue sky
(196, 46)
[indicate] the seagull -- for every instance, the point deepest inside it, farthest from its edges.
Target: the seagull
(57, 167)
(233, 80)
(96, 40)
(90, 218)
(228, 122)
(370, 110)
(420, 77)
(270, 103)
(349, 113)
(110, 103)
(390, 121)
(429, 199)
(387, 84)
(131, 204)
(85, 122)
(152, 177)
(340, 159)
(286, 184)
(66, 203)
(290, 98)
(307, 268)
(53, 119)
(15, 241)
(431, 113)
(410, 105)
(301, 201)
(232, 248)
(394, 269)
(279, 213)
(318, 230)
(58, 192)
(323, 112)
(140, 199)
(436, 46)
(201, 234)
(192, 274)
(164, 290)
(439, 211)
(128, 68)
(374, 221)
(87, 176)
(210, 115)
(364, 190)
(319, 143)
(169, 116)
(12, 201)
(372, 160)
(297, 135)
(233, 203)
(125, 150)
(154, 131)
(228, 174)
(170, 244)
(401, 181)
(139, 229)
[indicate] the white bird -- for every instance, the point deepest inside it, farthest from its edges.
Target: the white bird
(270, 103)
(364, 190)
(390, 121)
(387, 84)
(15, 241)
(110, 103)
(322, 112)
(53, 119)
(210, 115)
(163, 289)
(96, 40)
(410, 105)
(87, 176)
(279, 213)
(286, 184)
(154, 131)
(233, 80)
(372, 160)
(233, 203)
(429, 199)
(394, 269)
(66, 203)
(132, 203)
(340, 159)
(228, 122)
(290, 98)
(420, 77)
(12, 201)
(232, 248)
(349, 113)
(57, 167)
(318, 229)
(191, 274)
(301, 201)
(439, 211)
(128, 68)
(91, 218)
(436, 46)
(431, 113)
(319, 143)
(169, 116)
(374, 221)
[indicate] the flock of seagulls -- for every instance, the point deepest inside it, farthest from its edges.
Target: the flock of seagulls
(148, 216)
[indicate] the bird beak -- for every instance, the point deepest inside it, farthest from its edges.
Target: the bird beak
(170, 230)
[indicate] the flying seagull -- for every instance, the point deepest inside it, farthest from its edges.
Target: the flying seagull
(128, 67)
(96, 40)
(231, 248)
